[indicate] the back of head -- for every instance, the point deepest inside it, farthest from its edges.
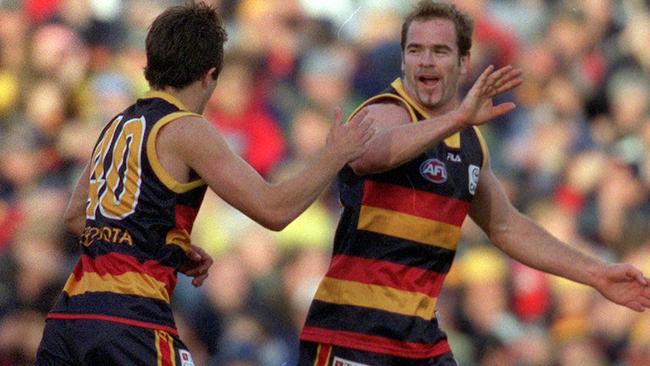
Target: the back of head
(183, 43)
(428, 9)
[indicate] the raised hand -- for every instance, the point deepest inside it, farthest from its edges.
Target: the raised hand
(625, 285)
(197, 265)
(350, 140)
(477, 108)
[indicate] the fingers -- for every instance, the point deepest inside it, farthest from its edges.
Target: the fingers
(482, 82)
(359, 117)
(636, 306)
(644, 301)
(502, 80)
(502, 109)
(197, 265)
(193, 254)
(507, 85)
(637, 275)
(198, 281)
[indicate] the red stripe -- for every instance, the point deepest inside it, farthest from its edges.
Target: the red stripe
(165, 350)
(117, 264)
(413, 202)
(185, 216)
(323, 354)
(114, 319)
(376, 272)
(374, 344)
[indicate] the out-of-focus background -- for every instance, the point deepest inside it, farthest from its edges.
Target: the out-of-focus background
(575, 156)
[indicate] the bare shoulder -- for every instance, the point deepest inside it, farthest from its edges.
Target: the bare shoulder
(187, 126)
(190, 135)
(388, 112)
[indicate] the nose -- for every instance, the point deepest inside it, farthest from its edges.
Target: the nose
(427, 58)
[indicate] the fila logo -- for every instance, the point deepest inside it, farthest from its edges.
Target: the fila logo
(341, 362)
(453, 157)
(434, 171)
(186, 358)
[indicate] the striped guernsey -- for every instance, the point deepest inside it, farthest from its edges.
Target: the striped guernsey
(138, 220)
(394, 245)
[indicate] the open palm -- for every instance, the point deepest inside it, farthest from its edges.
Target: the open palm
(477, 107)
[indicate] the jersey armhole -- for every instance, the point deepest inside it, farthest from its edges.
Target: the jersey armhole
(152, 155)
(483, 144)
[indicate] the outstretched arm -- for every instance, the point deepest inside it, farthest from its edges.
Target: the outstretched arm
(200, 147)
(397, 140)
(524, 240)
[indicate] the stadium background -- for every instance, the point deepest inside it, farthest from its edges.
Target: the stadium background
(575, 156)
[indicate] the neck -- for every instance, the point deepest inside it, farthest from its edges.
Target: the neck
(189, 96)
(439, 111)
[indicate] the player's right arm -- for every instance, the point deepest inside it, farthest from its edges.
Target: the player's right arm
(274, 205)
(398, 140)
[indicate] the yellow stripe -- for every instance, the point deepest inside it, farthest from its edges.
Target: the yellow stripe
(167, 97)
(376, 297)
(172, 351)
(414, 118)
(179, 237)
(409, 227)
(158, 353)
(161, 173)
(129, 283)
(451, 141)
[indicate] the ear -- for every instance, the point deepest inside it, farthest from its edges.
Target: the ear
(464, 64)
(209, 77)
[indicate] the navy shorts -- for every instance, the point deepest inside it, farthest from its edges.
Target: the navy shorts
(316, 354)
(98, 343)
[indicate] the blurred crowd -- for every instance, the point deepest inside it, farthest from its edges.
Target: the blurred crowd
(575, 156)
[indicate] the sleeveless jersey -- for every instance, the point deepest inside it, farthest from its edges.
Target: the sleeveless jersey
(138, 220)
(394, 245)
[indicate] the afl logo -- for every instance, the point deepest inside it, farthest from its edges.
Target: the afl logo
(434, 170)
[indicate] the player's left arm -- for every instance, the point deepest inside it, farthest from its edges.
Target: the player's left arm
(525, 241)
(75, 213)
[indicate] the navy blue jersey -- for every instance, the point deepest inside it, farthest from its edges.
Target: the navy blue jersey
(394, 245)
(138, 224)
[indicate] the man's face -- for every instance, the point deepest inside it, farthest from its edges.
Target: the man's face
(431, 64)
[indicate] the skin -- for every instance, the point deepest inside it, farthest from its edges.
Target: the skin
(431, 53)
(192, 143)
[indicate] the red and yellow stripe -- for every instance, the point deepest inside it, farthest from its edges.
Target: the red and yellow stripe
(411, 214)
(388, 274)
(166, 355)
(121, 274)
(323, 355)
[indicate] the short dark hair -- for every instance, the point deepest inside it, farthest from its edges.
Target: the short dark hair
(183, 43)
(427, 10)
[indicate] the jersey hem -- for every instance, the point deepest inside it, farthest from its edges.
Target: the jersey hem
(113, 319)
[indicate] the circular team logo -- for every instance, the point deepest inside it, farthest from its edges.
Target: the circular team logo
(434, 171)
